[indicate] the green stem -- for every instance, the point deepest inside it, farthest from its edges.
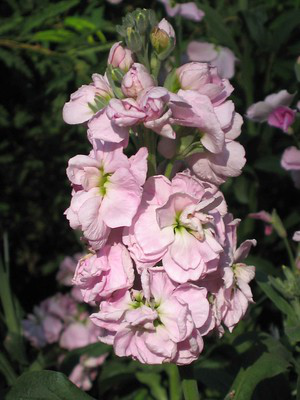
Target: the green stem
(7, 370)
(169, 168)
(178, 20)
(7, 302)
(188, 383)
(175, 391)
(290, 254)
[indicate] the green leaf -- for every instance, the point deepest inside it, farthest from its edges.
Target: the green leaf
(53, 35)
(45, 385)
(283, 26)
(274, 296)
(267, 366)
(80, 24)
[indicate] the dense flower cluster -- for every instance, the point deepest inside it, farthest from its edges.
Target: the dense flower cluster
(163, 263)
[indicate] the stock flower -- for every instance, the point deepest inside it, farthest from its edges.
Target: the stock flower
(79, 333)
(186, 10)
(107, 190)
(83, 374)
(237, 275)
(149, 108)
(158, 324)
(120, 57)
(99, 275)
(184, 227)
(136, 80)
(290, 161)
(83, 103)
(205, 80)
(220, 57)
(275, 110)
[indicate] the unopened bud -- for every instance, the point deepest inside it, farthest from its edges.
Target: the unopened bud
(163, 39)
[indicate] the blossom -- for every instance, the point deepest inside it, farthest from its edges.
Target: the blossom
(136, 80)
(186, 10)
(237, 275)
(290, 161)
(205, 80)
(149, 108)
(158, 324)
(83, 374)
(275, 110)
(296, 236)
(120, 57)
(184, 227)
(107, 190)
(79, 333)
(220, 57)
(83, 103)
(99, 275)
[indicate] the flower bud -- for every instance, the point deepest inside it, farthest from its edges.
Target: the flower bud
(120, 57)
(136, 79)
(133, 40)
(163, 39)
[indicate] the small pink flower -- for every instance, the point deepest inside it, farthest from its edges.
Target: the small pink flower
(290, 161)
(149, 108)
(79, 334)
(136, 80)
(99, 275)
(275, 110)
(83, 103)
(296, 236)
(67, 268)
(167, 28)
(220, 57)
(107, 190)
(186, 10)
(205, 80)
(86, 370)
(120, 57)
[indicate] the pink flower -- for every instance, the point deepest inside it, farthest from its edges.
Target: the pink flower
(149, 108)
(100, 275)
(107, 190)
(67, 268)
(158, 324)
(220, 57)
(120, 57)
(296, 236)
(79, 334)
(290, 161)
(83, 103)
(136, 80)
(167, 28)
(184, 227)
(266, 217)
(205, 80)
(237, 276)
(274, 109)
(186, 10)
(86, 370)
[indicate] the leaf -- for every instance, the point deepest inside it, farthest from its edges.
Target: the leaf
(80, 24)
(53, 35)
(283, 26)
(268, 365)
(274, 296)
(45, 385)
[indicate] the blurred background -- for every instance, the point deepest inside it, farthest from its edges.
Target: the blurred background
(49, 48)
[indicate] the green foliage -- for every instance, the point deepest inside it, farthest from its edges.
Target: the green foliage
(45, 385)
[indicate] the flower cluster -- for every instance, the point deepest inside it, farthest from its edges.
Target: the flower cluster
(163, 264)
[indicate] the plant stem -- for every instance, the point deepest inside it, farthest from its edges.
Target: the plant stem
(150, 142)
(290, 254)
(7, 301)
(7, 370)
(169, 168)
(175, 391)
(188, 383)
